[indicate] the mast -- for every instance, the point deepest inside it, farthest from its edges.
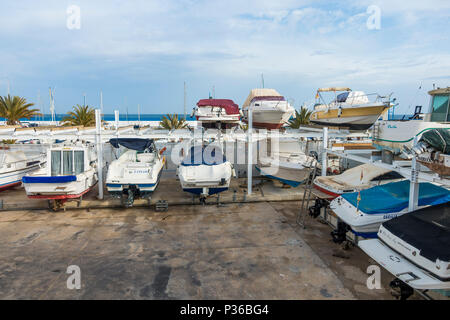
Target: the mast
(262, 80)
(184, 100)
(52, 104)
(101, 104)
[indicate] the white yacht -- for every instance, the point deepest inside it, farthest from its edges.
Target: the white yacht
(270, 110)
(205, 171)
(217, 113)
(136, 173)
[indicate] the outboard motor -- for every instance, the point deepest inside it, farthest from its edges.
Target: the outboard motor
(314, 155)
(314, 211)
(339, 235)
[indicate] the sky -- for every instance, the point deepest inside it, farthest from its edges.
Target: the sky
(141, 52)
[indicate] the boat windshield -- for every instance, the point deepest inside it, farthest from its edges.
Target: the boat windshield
(440, 108)
(66, 162)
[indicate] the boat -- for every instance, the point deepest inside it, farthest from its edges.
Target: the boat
(355, 179)
(137, 172)
(14, 164)
(217, 113)
(70, 173)
(289, 164)
(205, 171)
(433, 151)
(394, 135)
(364, 211)
(350, 109)
(270, 110)
(415, 248)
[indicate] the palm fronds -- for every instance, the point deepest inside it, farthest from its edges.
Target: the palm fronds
(171, 122)
(80, 116)
(301, 118)
(15, 108)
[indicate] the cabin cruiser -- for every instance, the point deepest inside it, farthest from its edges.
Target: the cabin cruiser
(14, 164)
(136, 173)
(415, 248)
(355, 179)
(70, 173)
(217, 113)
(288, 164)
(350, 109)
(394, 135)
(205, 171)
(363, 212)
(270, 110)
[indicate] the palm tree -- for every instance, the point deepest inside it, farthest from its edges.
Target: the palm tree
(302, 117)
(171, 121)
(80, 116)
(15, 108)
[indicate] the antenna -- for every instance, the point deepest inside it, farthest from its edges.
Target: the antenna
(214, 92)
(52, 103)
(262, 80)
(9, 87)
(84, 102)
(139, 114)
(39, 103)
(184, 100)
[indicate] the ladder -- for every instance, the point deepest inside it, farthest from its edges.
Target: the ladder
(300, 220)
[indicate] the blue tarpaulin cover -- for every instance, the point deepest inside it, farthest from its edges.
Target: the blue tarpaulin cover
(394, 197)
(50, 179)
(132, 143)
(203, 156)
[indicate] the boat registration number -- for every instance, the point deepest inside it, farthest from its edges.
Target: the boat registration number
(138, 171)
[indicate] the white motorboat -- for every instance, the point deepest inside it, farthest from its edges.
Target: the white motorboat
(352, 180)
(415, 247)
(217, 113)
(394, 135)
(70, 173)
(14, 164)
(289, 164)
(136, 173)
(205, 171)
(349, 109)
(363, 212)
(270, 110)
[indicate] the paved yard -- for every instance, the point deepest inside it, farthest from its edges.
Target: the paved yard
(251, 251)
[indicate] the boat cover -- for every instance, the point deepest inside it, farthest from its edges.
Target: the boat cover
(132, 143)
(394, 197)
(427, 229)
(260, 93)
(201, 156)
(229, 105)
(439, 139)
(48, 179)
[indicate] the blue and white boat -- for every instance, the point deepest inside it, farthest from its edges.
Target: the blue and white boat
(288, 164)
(137, 172)
(205, 171)
(70, 173)
(365, 211)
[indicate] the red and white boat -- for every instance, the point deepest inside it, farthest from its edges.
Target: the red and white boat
(217, 113)
(270, 110)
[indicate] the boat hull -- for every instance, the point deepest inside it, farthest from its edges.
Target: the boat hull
(12, 179)
(208, 191)
(289, 176)
(268, 119)
(354, 118)
(143, 187)
(393, 135)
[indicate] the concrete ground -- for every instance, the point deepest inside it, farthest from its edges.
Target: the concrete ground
(233, 251)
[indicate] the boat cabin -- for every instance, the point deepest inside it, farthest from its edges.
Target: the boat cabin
(68, 160)
(439, 105)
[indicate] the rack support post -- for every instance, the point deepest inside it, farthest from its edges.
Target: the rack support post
(324, 153)
(98, 127)
(249, 151)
